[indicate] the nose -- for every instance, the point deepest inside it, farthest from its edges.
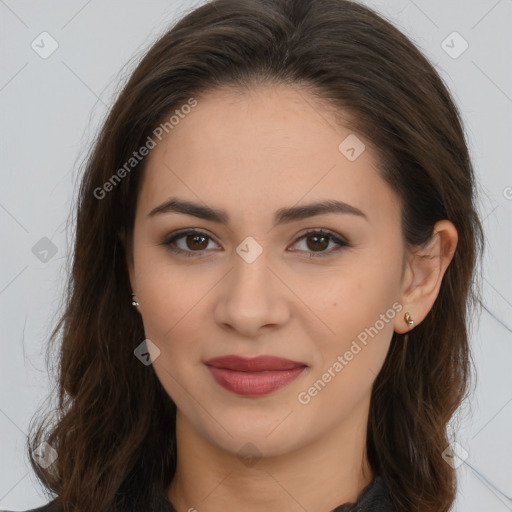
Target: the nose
(252, 297)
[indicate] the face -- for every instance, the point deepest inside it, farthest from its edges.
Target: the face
(320, 289)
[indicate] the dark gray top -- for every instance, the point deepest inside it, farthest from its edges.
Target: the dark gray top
(373, 498)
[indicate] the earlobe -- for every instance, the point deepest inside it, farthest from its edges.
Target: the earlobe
(426, 266)
(404, 323)
(134, 299)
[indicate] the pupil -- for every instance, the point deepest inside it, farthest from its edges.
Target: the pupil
(195, 238)
(316, 238)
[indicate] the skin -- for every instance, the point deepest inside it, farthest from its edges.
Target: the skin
(251, 154)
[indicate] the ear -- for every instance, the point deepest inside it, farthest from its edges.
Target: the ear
(424, 270)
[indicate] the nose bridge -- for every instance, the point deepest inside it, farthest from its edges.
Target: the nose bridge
(250, 271)
(250, 276)
(252, 296)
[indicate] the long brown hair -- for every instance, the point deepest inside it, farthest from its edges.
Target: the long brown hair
(113, 427)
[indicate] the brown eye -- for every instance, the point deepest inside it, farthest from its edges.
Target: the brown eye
(196, 242)
(316, 242)
(189, 243)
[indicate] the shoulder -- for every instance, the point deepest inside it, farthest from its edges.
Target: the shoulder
(53, 506)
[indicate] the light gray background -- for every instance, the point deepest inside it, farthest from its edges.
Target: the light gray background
(52, 107)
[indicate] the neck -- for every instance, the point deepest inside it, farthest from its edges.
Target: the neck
(321, 475)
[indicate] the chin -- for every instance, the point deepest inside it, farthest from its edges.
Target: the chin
(266, 436)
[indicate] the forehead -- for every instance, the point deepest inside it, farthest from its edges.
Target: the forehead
(263, 148)
(270, 120)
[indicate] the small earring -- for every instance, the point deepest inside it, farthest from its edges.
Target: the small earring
(134, 302)
(408, 319)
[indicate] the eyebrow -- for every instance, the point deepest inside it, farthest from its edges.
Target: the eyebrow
(282, 216)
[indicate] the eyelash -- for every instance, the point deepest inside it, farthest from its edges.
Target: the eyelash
(194, 254)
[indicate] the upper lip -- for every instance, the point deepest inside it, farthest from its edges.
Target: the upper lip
(253, 364)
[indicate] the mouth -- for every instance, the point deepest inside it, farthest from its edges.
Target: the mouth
(254, 376)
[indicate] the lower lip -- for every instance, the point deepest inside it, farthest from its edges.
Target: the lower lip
(254, 383)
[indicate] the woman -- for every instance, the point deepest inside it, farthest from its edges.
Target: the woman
(276, 238)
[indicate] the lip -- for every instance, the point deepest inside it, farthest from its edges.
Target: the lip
(254, 376)
(253, 364)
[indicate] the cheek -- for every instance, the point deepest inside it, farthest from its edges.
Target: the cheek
(170, 295)
(359, 303)
(350, 358)
(170, 321)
